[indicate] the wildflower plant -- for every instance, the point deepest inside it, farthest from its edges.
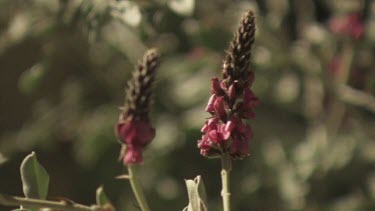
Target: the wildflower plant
(226, 134)
(62, 63)
(226, 131)
(232, 100)
(134, 128)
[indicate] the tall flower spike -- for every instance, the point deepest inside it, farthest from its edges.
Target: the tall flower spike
(232, 101)
(134, 128)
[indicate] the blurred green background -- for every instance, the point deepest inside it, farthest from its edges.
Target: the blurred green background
(64, 66)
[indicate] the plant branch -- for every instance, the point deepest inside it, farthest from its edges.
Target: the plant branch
(37, 203)
(337, 108)
(356, 97)
(137, 189)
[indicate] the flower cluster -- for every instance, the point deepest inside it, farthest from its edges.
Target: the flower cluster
(134, 128)
(350, 25)
(232, 100)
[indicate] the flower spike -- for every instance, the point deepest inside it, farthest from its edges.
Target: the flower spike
(134, 128)
(232, 101)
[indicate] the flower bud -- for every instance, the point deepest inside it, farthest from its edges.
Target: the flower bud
(216, 88)
(210, 104)
(219, 106)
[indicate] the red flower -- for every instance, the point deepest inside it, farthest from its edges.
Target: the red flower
(239, 148)
(136, 134)
(216, 131)
(210, 104)
(219, 106)
(248, 104)
(350, 25)
(216, 87)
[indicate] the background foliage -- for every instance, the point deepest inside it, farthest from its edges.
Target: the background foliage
(63, 67)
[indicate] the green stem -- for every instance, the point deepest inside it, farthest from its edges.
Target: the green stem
(37, 204)
(226, 167)
(137, 189)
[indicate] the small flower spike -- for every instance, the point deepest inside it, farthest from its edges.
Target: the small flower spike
(134, 128)
(232, 100)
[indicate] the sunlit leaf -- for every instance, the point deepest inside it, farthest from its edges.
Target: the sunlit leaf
(128, 12)
(35, 178)
(182, 7)
(2, 159)
(197, 195)
(101, 197)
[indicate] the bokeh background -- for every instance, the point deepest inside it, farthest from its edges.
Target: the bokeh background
(63, 68)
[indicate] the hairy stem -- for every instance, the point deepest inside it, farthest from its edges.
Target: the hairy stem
(137, 189)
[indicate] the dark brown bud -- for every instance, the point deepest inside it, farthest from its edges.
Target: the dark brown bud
(138, 92)
(236, 62)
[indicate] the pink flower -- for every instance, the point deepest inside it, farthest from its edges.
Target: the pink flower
(248, 104)
(350, 25)
(225, 132)
(210, 104)
(216, 87)
(239, 148)
(206, 147)
(136, 134)
(219, 106)
(216, 131)
(217, 136)
(225, 126)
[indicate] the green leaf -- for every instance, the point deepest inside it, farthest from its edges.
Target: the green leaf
(102, 200)
(197, 195)
(35, 178)
(31, 78)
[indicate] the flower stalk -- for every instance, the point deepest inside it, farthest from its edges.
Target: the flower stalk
(226, 167)
(136, 187)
